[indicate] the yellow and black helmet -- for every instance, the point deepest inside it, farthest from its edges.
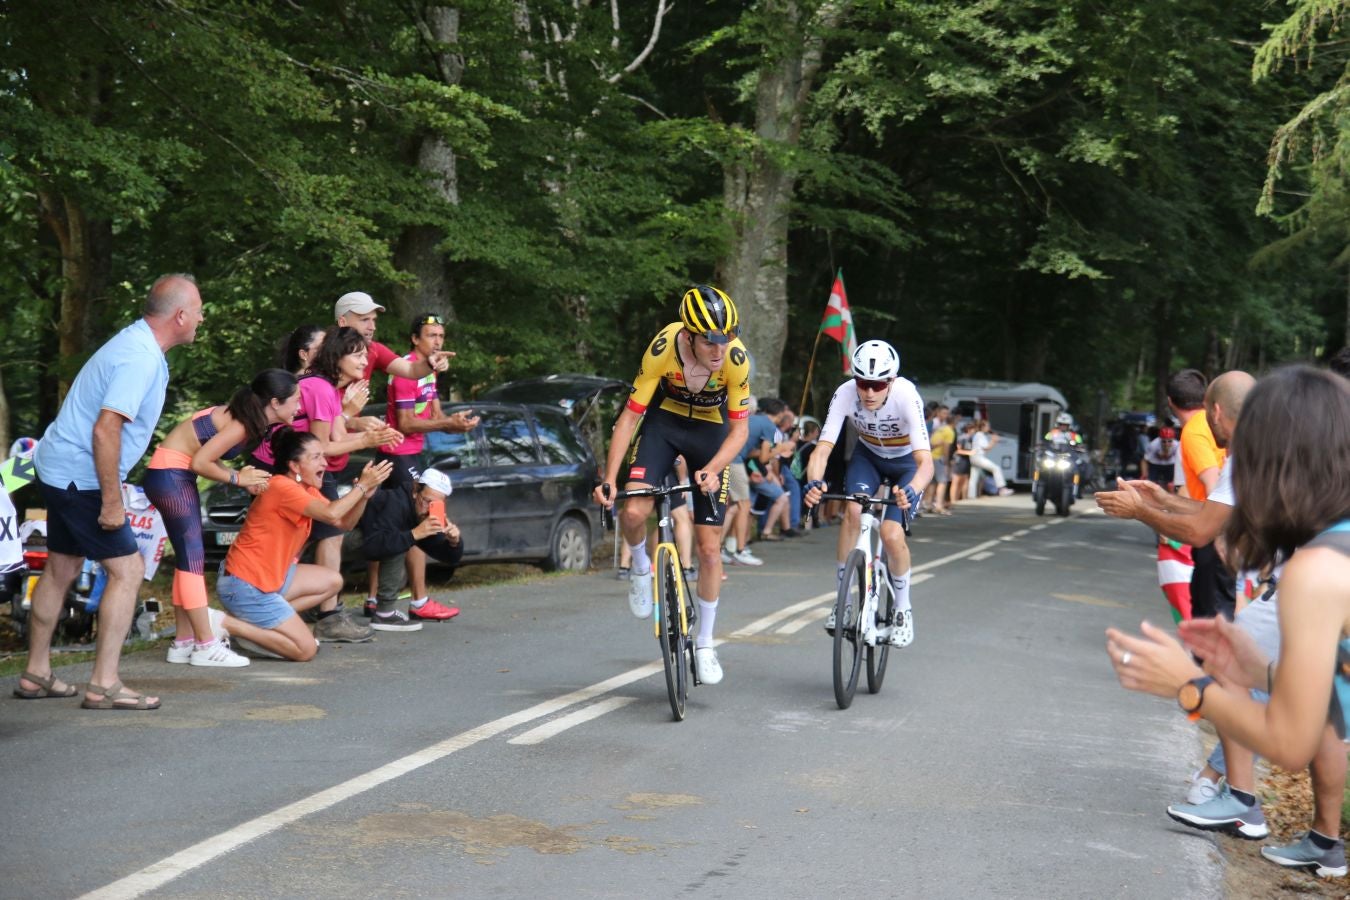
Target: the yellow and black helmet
(708, 311)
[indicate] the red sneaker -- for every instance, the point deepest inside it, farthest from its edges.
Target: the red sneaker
(433, 610)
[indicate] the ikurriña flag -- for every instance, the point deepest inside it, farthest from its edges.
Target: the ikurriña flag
(838, 322)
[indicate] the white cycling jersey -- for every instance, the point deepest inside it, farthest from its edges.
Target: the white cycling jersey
(893, 430)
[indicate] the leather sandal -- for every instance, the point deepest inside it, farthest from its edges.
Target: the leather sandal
(109, 697)
(45, 689)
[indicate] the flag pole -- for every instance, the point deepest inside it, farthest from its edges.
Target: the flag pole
(801, 409)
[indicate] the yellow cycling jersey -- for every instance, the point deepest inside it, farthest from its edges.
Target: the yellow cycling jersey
(663, 368)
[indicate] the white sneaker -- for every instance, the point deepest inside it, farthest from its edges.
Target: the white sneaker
(727, 558)
(640, 595)
(1202, 789)
(902, 631)
(709, 669)
(218, 654)
(746, 558)
(180, 654)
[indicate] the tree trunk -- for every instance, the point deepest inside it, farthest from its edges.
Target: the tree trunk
(85, 265)
(5, 433)
(759, 192)
(1162, 356)
(418, 252)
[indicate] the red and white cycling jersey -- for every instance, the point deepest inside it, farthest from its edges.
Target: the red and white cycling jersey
(894, 429)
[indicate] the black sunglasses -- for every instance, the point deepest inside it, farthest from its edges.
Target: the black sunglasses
(866, 384)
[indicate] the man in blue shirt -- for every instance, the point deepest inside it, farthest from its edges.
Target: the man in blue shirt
(102, 430)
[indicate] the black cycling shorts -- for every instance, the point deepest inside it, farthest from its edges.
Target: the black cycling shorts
(664, 436)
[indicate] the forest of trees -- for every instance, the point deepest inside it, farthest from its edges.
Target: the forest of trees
(1083, 193)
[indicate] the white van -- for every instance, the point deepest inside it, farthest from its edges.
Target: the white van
(1021, 414)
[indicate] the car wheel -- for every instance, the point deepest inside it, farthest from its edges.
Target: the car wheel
(570, 549)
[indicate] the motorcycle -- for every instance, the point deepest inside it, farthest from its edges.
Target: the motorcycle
(1055, 478)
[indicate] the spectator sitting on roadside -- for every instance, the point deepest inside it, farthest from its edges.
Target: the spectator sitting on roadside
(397, 520)
(764, 483)
(785, 441)
(261, 584)
(981, 442)
(758, 443)
(1292, 450)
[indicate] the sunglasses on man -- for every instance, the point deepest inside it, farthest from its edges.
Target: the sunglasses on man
(867, 384)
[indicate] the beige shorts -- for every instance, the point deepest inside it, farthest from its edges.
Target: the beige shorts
(739, 482)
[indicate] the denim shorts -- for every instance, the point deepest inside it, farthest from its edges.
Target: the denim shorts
(248, 604)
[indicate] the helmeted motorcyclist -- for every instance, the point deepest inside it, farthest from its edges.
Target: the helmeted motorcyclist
(1064, 432)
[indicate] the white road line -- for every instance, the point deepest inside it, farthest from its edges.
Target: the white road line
(1038, 527)
(161, 873)
(920, 578)
(981, 556)
(801, 622)
(571, 720)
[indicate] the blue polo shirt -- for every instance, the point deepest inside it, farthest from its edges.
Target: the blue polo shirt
(761, 428)
(127, 375)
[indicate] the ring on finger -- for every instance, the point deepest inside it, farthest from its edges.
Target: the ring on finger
(1125, 658)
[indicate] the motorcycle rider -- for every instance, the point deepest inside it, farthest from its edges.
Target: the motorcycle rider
(1064, 432)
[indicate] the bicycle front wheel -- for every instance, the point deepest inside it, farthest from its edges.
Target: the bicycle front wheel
(848, 641)
(878, 655)
(671, 628)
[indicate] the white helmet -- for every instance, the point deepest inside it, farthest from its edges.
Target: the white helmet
(876, 360)
(1064, 420)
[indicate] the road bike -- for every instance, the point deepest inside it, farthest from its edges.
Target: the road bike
(673, 613)
(865, 603)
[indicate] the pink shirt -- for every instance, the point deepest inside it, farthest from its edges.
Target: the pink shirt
(415, 395)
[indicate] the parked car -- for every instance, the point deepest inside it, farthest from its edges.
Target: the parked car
(523, 480)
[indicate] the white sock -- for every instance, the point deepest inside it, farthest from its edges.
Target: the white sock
(731, 545)
(901, 585)
(707, 615)
(371, 600)
(418, 604)
(642, 564)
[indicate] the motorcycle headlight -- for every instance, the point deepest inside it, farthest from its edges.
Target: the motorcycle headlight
(1062, 464)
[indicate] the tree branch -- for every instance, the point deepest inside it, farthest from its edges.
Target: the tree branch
(662, 7)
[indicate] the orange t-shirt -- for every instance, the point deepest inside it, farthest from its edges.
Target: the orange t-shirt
(1198, 453)
(273, 533)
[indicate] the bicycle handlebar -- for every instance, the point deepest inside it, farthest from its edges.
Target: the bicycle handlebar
(861, 499)
(658, 492)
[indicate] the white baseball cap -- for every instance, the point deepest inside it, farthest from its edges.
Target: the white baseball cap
(358, 302)
(436, 480)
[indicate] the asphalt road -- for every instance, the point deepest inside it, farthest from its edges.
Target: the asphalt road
(527, 749)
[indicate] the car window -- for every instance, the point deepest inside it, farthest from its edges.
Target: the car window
(558, 442)
(440, 444)
(509, 440)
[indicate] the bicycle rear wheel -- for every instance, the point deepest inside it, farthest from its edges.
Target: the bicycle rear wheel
(670, 630)
(878, 655)
(848, 644)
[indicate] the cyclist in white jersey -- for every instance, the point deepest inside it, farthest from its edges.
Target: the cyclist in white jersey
(892, 442)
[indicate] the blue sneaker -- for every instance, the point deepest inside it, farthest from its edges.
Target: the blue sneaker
(1224, 813)
(1306, 855)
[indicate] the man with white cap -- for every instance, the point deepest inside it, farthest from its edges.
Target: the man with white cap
(395, 521)
(358, 310)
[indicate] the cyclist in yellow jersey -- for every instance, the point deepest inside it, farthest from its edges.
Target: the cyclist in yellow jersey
(692, 395)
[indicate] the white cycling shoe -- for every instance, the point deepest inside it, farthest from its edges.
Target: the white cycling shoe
(640, 595)
(709, 669)
(902, 632)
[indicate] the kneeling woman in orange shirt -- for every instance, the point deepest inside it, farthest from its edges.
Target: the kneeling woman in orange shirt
(262, 585)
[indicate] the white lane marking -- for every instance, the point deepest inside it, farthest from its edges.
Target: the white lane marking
(199, 854)
(158, 874)
(774, 618)
(920, 579)
(980, 556)
(802, 621)
(1038, 527)
(1022, 532)
(571, 720)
